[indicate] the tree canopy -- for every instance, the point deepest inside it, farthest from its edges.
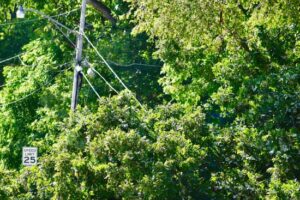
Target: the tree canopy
(219, 83)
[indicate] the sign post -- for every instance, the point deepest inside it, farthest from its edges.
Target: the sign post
(29, 156)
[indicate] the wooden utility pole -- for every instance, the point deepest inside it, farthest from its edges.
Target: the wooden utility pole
(77, 70)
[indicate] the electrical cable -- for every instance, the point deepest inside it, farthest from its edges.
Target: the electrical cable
(56, 24)
(16, 56)
(32, 93)
(23, 62)
(11, 58)
(96, 50)
(68, 38)
(91, 85)
(24, 78)
(133, 64)
(21, 99)
(110, 68)
(123, 65)
(21, 22)
(37, 19)
(52, 20)
(111, 87)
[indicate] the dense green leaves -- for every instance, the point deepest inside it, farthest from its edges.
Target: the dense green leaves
(221, 117)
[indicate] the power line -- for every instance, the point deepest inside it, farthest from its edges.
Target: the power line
(91, 85)
(37, 19)
(114, 73)
(21, 22)
(105, 62)
(21, 99)
(32, 93)
(133, 64)
(11, 58)
(123, 65)
(111, 62)
(53, 20)
(111, 87)
(56, 23)
(9, 83)
(65, 13)
(18, 56)
(23, 62)
(68, 38)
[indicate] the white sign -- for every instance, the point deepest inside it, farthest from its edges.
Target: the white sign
(29, 156)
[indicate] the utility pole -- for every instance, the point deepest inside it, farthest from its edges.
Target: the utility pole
(77, 71)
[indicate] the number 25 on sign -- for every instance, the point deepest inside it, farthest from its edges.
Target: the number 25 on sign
(29, 156)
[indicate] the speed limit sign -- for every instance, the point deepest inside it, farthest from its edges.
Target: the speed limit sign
(29, 156)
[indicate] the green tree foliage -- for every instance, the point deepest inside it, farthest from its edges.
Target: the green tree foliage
(44, 83)
(241, 58)
(121, 151)
(230, 131)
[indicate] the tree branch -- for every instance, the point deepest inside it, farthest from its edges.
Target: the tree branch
(103, 9)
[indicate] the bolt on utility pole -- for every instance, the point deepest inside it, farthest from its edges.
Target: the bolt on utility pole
(77, 71)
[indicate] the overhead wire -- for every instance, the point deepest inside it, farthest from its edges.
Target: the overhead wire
(32, 93)
(19, 55)
(66, 13)
(23, 62)
(93, 88)
(93, 46)
(133, 64)
(56, 23)
(98, 53)
(111, 69)
(9, 83)
(111, 87)
(68, 38)
(65, 35)
(20, 22)
(21, 99)
(125, 65)
(53, 20)
(11, 58)
(107, 83)
(37, 19)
